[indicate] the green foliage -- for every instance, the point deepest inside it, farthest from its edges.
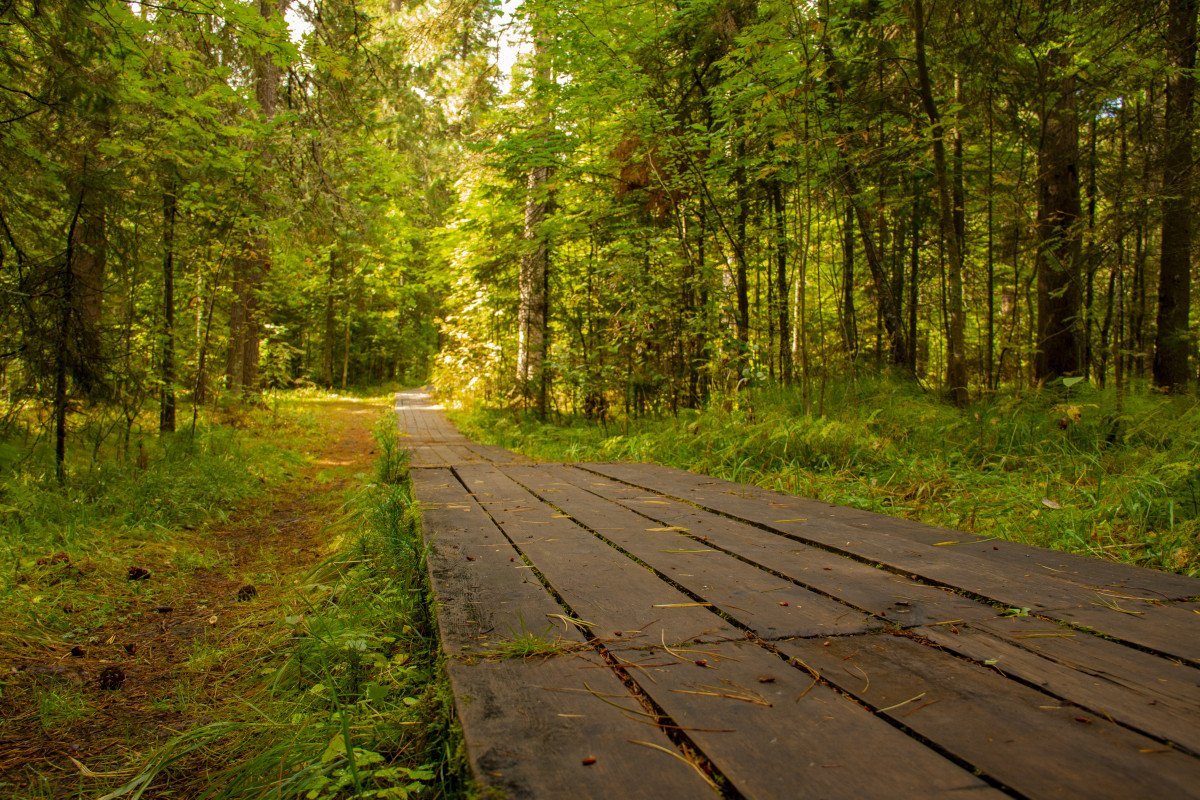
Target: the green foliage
(392, 465)
(1113, 477)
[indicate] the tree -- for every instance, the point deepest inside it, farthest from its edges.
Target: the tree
(1059, 344)
(1173, 339)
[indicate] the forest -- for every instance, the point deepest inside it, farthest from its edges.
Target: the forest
(655, 205)
(927, 257)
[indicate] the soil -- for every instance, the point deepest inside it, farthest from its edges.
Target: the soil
(167, 662)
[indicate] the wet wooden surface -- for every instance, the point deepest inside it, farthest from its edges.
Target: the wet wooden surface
(630, 630)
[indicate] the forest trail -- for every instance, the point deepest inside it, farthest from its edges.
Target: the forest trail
(179, 647)
(629, 630)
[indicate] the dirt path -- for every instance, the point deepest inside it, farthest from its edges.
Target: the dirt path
(176, 650)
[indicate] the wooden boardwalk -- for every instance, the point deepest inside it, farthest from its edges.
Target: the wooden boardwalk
(704, 638)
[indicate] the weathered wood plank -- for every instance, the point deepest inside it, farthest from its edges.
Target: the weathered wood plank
(774, 732)
(420, 456)
(1029, 741)
(1111, 612)
(898, 600)
(768, 605)
(498, 455)
(1067, 567)
(1154, 695)
(606, 589)
(484, 592)
(530, 726)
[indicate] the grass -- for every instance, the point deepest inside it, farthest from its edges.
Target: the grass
(527, 646)
(341, 692)
(325, 684)
(1070, 468)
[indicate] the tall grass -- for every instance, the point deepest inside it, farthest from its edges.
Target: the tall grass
(1076, 468)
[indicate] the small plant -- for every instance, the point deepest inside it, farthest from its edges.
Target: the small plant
(392, 464)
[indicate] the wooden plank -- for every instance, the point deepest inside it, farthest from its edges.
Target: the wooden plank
(768, 605)
(1143, 623)
(619, 598)
(1030, 742)
(1159, 697)
(529, 727)
(498, 455)
(774, 732)
(1066, 567)
(421, 456)
(898, 600)
(484, 595)
(1167, 629)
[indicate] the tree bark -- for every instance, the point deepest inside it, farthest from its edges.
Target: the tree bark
(849, 320)
(1172, 344)
(166, 408)
(533, 280)
(330, 322)
(781, 281)
(1059, 212)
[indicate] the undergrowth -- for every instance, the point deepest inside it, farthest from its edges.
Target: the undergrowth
(1071, 468)
(64, 550)
(343, 694)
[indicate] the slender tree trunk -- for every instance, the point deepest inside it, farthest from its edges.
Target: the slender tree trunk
(330, 321)
(66, 303)
(952, 222)
(346, 355)
(993, 381)
(781, 282)
(166, 411)
(235, 362)
(849, 319)
(89, 256)
(1172, 344)
(1091, 257)
(739, 251)
(914, 262)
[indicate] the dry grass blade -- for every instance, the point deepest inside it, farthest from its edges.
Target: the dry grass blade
(746, 696)
(902, 703)
(1113, 605)
(581, 624)
(690, 763)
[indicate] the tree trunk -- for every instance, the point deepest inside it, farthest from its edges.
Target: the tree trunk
(533, 280)
(89, 255)
(256, 261)
(781, 282)
(330, 322)
(849, 320)
(739, 252)
(531, 315)
(1172, 344)
(952, 226)
(66, 303)
(166, 408)
(1058, 336)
